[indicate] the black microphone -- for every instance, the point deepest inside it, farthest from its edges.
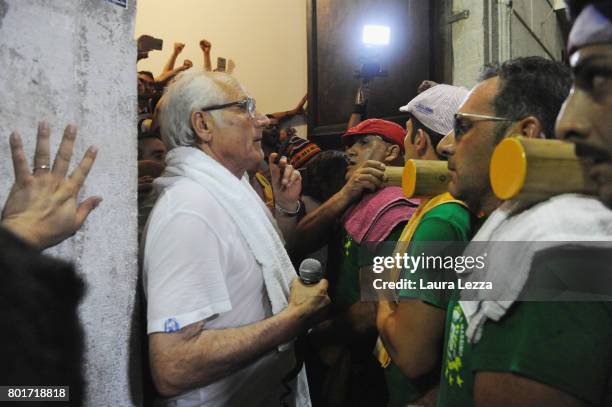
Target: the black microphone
(310, 271)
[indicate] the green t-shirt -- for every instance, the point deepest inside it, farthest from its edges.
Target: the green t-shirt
(566, 345)
(449, 222)
(354, 257)
(347, 282)
(456, 382)
(446, 222)
(401, 390)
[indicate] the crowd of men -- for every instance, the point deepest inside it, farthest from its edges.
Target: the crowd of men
(234, 204)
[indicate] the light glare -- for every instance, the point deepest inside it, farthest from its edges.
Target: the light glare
(376, 34)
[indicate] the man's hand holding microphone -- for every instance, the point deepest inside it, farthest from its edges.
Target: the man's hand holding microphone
(308, 299)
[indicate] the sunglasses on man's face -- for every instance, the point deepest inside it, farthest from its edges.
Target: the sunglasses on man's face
(464, 122)
(248, 103)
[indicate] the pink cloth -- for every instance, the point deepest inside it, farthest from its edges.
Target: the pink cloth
(375, 216)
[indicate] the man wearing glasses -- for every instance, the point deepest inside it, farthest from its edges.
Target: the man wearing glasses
(223, 303)
(412, 328)
(497, 350)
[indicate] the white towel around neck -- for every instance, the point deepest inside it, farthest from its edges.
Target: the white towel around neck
(247, 211)
(255, 222)
(552, 223)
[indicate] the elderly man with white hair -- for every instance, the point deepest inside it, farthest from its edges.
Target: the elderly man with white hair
(223, 301)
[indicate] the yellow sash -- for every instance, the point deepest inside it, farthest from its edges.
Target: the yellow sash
(402, 245)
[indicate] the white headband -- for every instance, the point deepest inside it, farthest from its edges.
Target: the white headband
(591, 27)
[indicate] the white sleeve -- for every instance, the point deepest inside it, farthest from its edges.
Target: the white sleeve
(184, 280)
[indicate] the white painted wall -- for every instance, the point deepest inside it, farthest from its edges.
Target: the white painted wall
(265, 38)
(74, 61)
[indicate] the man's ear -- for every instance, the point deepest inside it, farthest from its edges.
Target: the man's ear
(198, 123)
(529, 127)
(393, 153)
(421, 141)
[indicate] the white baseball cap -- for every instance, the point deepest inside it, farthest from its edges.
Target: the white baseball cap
(436, 107)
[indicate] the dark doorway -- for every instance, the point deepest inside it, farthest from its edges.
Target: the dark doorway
(335, 52)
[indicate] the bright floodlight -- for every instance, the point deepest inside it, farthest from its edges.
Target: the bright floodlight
(376, 34)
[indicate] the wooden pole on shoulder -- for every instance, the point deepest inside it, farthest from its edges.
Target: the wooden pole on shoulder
(419, 178)
(536, 169)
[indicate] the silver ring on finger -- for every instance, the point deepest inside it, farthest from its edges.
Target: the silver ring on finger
(42, 167)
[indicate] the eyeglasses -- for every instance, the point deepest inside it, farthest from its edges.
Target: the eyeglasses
(248, 103)
(461, 126)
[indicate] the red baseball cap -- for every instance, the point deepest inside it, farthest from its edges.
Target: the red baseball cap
(390, 132)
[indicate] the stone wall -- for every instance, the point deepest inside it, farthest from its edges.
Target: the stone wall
(74, 61)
